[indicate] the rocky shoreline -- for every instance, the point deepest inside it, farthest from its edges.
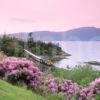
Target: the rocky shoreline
(62, 55)
(93, 63)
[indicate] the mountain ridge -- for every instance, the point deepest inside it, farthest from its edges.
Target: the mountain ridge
(78, 34)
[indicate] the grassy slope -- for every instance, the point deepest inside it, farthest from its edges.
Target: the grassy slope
(9, 92)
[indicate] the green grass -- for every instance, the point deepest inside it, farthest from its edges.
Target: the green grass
(80, 74)
(9, 92)
(54, 97)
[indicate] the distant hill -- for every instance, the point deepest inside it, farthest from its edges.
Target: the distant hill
(79, 34)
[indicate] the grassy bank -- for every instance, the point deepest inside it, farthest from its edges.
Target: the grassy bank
(80, 74)
(9, 92)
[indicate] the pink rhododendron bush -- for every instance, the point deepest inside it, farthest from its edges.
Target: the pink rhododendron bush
(67, 88)
(72, 90)
(91, 91)
(20, 70)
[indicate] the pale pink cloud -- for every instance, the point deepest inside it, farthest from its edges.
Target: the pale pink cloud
(57, 15)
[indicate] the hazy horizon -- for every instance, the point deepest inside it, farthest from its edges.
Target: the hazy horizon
(49, 30)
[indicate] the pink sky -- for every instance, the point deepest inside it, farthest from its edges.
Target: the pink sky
(53, 15)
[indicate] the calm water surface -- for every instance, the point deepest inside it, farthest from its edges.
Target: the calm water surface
(80, 51)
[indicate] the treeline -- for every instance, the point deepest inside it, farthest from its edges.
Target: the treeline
(15, 47)
(11, 46)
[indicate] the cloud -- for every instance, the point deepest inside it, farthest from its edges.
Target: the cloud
(22, 20)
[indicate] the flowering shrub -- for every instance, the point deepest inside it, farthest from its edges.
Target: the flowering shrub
(67, 87)
(52, 85)
(90, 91)
(70, 89)
(22, 70)
(19, 69)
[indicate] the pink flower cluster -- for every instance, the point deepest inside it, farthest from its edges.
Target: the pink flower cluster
(90, 91)
(52, 85)
(19, 69)
(66, 87)
(70, 89)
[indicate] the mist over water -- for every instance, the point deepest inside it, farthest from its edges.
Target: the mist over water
(80, 52)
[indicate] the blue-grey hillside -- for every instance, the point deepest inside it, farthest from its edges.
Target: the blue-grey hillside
(79, 34)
